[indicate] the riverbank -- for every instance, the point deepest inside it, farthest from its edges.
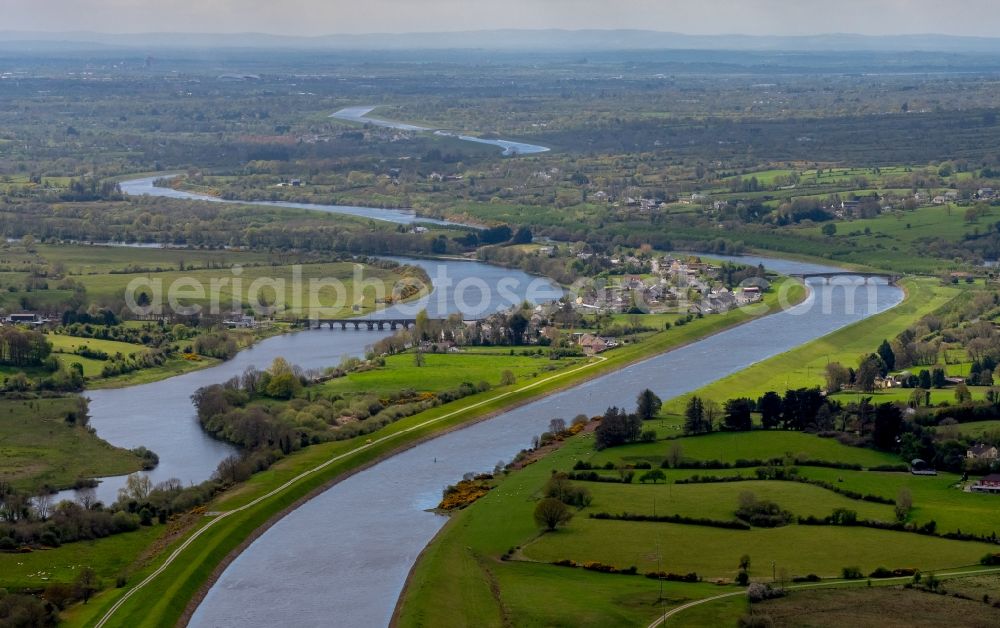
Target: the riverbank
(309, 471)
(464, 552)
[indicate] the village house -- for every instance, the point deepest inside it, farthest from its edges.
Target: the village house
(981, 451)
(26, 318)
(592, 344)
(240, 321)
(987, 484)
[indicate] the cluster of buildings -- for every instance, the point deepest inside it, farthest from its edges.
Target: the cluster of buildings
(30, 319)
(673, 285)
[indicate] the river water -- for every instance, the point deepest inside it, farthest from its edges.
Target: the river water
(510, 147)
(145, 187)
(342, 558)
(160, 415)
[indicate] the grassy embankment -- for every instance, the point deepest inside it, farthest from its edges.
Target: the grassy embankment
(166, 596)
(39, 448)
(467, 549)
(805, 365)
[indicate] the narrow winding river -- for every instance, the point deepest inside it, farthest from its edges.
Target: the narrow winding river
(510, 147)
(342, 558)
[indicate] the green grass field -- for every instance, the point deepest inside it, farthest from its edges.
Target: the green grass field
(758, 445)
(805, 365)
(277, 287)
(109, 557)
(442, 371)
(475, 537)
(38, 448)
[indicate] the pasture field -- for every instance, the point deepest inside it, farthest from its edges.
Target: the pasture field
(468, 547)
(978, 428)
(276, 287)
(905, 227)
(109, 557)
(38, 447)
(756, 445)
(442, 371)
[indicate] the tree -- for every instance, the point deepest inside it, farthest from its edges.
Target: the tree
(653, 475)
(888, 426)
(283, 386)
(694, 416)
(888, 356)
(962, 394)
(925, 379)
(648, 405)
(551, 513)
(86, 584)
(280, 366)
(869, 370)
(829, 229)
(418, 358)
(137, 488)
(743, 576)
(522, 236)
(617, 428)
(738, 415)
(837, 376)
(771, 408)
(938, 379)
(801, 406)
(557, 425)
(507, 378)
(904, 502)
(675, 455)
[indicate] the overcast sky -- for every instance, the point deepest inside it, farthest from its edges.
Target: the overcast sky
(319, 17)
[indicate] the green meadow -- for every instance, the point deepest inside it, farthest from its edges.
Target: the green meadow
(805, 365)
(38, 447)
(468, 549)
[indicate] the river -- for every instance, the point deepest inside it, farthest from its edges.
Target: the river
(343, 557)
(160, 415)
(145, 187)
(510, 147)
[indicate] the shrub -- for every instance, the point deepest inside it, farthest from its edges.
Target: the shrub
(761, 513)
(551, 513)
(851, 573)
(989, 559)
(758, 592)
(880, 572)
(755, 620)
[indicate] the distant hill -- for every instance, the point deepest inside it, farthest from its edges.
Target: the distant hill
(557, 40)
